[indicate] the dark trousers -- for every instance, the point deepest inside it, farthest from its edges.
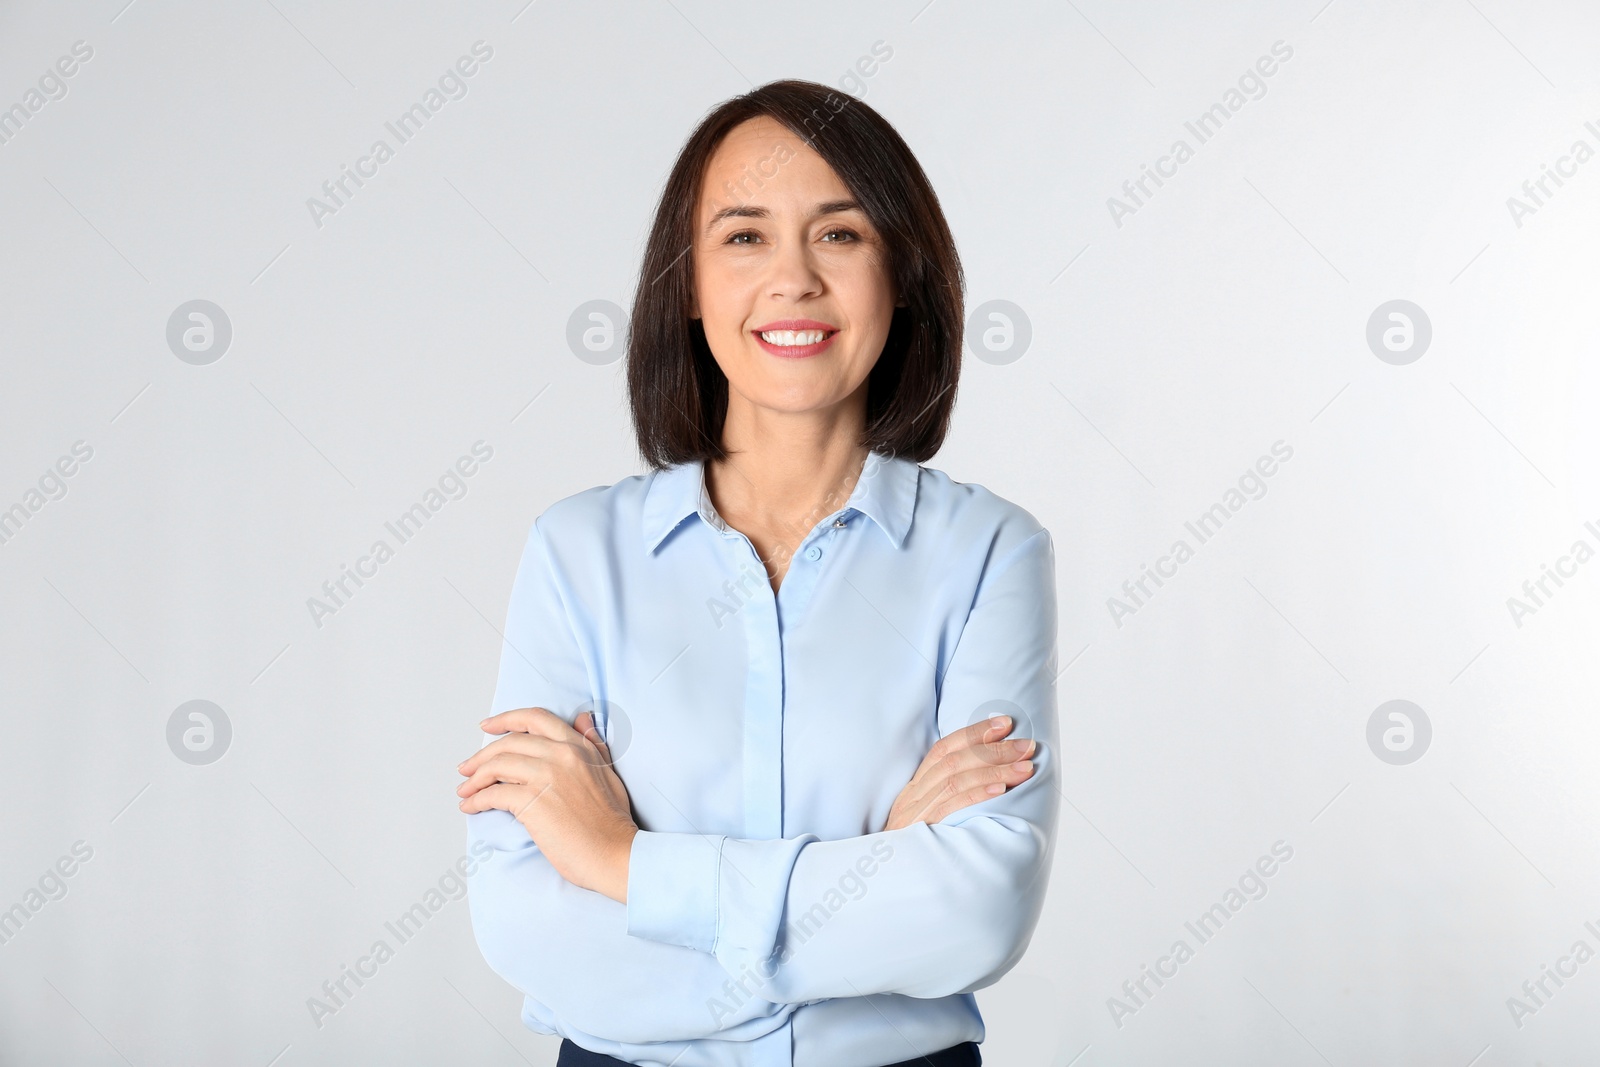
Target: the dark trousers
(962, 1055)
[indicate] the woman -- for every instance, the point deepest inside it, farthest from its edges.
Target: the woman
(749, 803)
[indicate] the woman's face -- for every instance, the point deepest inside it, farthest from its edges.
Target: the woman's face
(791, 280)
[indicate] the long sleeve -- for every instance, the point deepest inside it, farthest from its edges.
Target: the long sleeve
(540, 666)
(567, 948)
(923, 911)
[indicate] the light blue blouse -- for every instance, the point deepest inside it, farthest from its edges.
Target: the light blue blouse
(762, 739)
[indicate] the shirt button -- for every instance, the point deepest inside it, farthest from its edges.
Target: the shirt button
(813, 553)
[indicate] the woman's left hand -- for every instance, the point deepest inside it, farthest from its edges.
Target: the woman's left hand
(558, 782)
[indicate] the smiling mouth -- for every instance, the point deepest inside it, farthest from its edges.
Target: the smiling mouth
(795, 344)
(795, 338)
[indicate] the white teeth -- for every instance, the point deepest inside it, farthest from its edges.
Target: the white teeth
(790, 338)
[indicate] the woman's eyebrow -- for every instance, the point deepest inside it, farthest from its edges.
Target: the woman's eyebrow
(754, 211)
(834, 207)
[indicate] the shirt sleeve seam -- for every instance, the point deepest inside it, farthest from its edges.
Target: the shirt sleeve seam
(1009, 559)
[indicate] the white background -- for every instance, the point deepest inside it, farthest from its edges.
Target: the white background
(1229, 312)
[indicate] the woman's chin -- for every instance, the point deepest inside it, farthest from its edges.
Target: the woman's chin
(791, 398)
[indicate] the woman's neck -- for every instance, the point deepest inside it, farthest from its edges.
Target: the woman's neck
(784, 473)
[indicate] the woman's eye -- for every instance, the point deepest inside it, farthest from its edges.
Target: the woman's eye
(835, 236)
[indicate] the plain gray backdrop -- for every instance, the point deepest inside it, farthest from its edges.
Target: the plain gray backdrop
(1175, 334)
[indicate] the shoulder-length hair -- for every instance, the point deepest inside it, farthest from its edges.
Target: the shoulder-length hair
(678, 394)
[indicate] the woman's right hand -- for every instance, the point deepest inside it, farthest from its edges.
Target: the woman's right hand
(970, 765)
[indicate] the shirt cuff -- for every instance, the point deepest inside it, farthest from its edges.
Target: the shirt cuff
(672, 888)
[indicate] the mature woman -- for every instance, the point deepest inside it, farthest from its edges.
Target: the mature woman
(762, 791)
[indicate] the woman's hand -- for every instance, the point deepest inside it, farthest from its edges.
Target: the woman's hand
(558, 782)
(970, 765)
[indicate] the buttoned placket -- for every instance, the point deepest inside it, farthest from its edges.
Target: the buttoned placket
(763, 731)
(767, 618)
(763, 616)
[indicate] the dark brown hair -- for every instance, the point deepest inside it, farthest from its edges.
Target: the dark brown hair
(678, 394)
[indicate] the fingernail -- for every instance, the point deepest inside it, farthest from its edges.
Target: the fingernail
(998, 721)
(1022, 766)
(996, 789)
(1022, 746)
(483, 722)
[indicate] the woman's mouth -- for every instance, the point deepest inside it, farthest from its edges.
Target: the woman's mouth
(795, 342)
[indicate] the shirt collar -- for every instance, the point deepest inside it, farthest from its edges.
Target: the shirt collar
(886, 493)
